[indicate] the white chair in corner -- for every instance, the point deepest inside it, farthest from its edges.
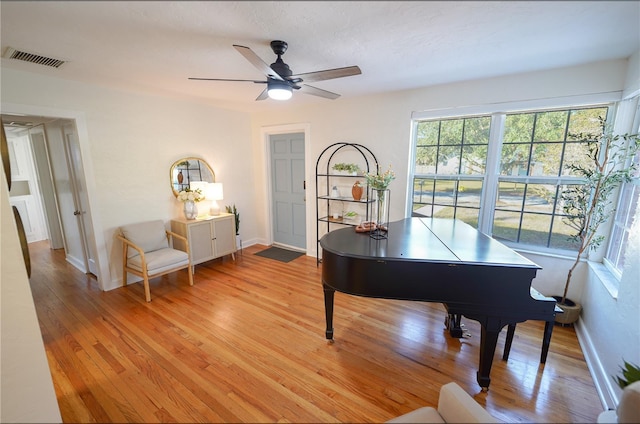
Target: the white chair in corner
(454, 406)
(146, 252)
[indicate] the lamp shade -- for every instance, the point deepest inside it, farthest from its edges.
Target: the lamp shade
(214, 193)
(279, 90)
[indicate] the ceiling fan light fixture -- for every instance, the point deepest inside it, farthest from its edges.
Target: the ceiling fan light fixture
(278, 90)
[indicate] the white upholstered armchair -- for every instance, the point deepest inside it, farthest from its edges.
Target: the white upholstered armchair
(147, 253)
(454, 406)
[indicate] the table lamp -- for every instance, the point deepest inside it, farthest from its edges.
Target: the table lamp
(214, 193)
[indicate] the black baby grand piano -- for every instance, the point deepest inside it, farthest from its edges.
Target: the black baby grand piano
(437, 260)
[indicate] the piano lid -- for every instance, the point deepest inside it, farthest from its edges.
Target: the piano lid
(426, 239)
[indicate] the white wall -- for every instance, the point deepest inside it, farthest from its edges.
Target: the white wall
(27, 388)
(130, 143)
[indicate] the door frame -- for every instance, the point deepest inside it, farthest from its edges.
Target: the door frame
(265, 133)
(102, 264)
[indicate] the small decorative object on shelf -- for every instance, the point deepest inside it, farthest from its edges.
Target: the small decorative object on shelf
(356, 191)
(180, 177)
(334, 192)
(378, 184)
(189, 198)
(346, 168)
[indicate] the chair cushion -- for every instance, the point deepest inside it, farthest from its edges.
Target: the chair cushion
(149, 236)
(160, 260)
(425, 414)
(457, 406)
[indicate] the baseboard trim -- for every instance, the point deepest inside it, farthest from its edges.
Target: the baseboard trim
(602, 381)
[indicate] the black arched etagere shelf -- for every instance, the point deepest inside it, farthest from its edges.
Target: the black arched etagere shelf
(327, 178)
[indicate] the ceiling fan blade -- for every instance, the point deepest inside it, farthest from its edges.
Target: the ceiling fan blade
(225, 79)
(263, 95)
(329, 74)
(318, 92)
(257, 62)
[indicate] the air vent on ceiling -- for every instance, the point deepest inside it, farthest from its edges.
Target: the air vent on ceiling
(12, 53)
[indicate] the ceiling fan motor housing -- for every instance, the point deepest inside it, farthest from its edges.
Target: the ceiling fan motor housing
(279, 48)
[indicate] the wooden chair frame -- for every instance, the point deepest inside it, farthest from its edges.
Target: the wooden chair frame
(145, 274)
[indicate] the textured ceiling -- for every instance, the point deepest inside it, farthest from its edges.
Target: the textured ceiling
(155, 46)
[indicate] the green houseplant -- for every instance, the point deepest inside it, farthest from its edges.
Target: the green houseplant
(236, 214)
(350, 168)
(589, 205)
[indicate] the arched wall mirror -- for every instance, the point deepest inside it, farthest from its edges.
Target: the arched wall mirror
(186, 170)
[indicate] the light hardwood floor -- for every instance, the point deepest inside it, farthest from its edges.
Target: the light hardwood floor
(246, 344)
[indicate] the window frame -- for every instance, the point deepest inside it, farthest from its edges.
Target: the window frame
(492, 177)
(629, 116)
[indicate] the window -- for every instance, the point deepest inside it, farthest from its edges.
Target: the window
(450, 167)
(625, 212)
(515, 197)
(536, 149)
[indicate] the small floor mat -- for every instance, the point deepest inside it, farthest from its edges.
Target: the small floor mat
(282, 255)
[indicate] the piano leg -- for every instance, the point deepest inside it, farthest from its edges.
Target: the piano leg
(452, 322)
(328, 310)
(546, 341)
(488, 342)
(511, 329)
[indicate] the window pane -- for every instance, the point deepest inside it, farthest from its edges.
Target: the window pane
(506, 225)
(576, 154)
(510, 196)
(550, 126)
(515, 159)
(587, 120)
(476, 130)
(448, 160)
(473, 160)
(630, 204)
(469, 193)
(560, 238)
(545, 159)
(427, 133)
(518, 128)
(444, 192)
(451, 132)
(535, 229)
(425, 160)
(540, 198)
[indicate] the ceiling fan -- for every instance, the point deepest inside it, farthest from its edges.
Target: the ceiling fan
(280, 79)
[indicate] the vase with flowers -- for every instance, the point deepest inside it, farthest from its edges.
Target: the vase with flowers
(190, 197)
(379, 188)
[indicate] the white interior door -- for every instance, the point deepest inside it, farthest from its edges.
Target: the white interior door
(24, 194)
(288, 190)
(81, 201)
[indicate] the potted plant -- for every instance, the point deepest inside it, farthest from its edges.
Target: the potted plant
(627, 410)
(587, 206)
(236, 214)
(346, 168)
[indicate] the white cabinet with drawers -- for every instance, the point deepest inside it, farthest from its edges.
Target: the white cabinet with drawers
(208, 238)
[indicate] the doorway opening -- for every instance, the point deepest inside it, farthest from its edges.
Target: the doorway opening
(287, 211)
(47, 164)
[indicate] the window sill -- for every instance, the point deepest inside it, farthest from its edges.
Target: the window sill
(607, 279)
